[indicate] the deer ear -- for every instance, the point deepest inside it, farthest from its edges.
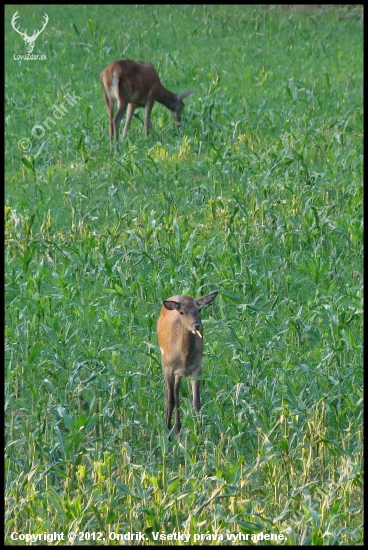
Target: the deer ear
(186, 94)
(169, 304)
(207, 299)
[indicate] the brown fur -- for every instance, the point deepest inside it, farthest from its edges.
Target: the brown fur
(136, 84)
(181, 348)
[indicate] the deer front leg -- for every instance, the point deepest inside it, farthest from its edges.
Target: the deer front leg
(196, 397)
(170, 399)
(148, 110)
(195, 389)
(176, 395)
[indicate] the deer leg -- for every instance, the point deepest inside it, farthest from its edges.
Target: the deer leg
(119, 115)
(110, 109)
(196, 397)
(176, 395)
(129, 115)
(170, 399)
(148, 110)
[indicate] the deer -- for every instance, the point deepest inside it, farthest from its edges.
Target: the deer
(180, 337)
(29, 40)
(136, 84)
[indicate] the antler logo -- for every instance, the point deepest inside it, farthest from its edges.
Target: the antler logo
(29, 40)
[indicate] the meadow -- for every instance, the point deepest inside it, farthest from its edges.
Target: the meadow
(257, 194)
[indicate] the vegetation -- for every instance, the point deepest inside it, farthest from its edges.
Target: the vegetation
(258, 194)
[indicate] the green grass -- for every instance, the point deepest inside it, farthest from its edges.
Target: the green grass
(258, 195)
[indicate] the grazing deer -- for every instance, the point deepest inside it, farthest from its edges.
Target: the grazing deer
(180, 335)
(135, 84)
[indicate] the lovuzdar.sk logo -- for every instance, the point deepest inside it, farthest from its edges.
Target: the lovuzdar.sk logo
(29, 40)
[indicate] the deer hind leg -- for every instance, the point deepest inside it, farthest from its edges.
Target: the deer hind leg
(122, 106)
(110, 109)
(130, 112)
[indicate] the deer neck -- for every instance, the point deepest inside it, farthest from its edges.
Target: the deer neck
(189, 342)
(167, 98)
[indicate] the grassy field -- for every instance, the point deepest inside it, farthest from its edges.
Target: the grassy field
(258, 194)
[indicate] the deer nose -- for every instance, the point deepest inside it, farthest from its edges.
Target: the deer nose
(197, 326)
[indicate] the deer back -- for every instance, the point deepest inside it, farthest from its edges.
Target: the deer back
(131, 81)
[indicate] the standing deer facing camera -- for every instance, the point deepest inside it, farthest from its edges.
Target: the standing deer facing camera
(136, 84)
(180, 335)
